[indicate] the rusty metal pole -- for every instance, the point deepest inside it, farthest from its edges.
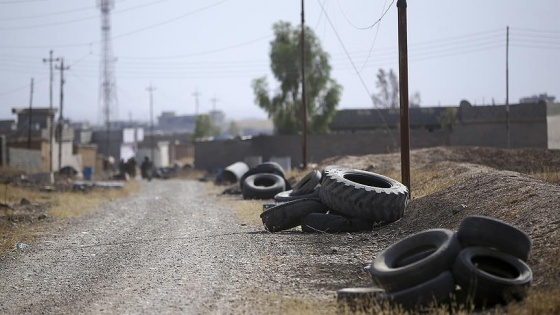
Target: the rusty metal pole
(303, 95)
(403, 88)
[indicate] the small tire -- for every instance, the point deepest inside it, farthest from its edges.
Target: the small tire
(389, 271)
(307, 184)
(490, 277)
(433, 291)
(288, 196)
(262, 186)
(289, 214)
(363, 194)
(266, 167)
(493, 233)
(331, 223)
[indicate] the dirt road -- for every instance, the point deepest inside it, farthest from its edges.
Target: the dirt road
(172, 249)
(177, 249)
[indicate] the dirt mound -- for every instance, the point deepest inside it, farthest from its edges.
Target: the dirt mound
(449, 184)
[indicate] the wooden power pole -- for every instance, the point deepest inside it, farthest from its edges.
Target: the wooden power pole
(61, 116)
(403, 88)
(303, 94)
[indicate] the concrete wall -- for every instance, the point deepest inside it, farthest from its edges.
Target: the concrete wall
(553, 123)
(219, 154)
(88, 154)
(28, 160)
(161, 154)
(527, 134)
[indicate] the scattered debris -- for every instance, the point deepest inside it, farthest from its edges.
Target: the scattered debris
(459, 208)
(21, 245)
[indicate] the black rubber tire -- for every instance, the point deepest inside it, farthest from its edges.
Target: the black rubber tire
(262, 186)
(287, 195)
(307, 184)
(331, 223)
(363, 194)
(289, 214)
(490, 277)
(434, 291)
(267, 168)
(493, 233)
(389, 271)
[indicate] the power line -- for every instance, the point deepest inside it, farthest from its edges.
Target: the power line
(357, 73)
(76, 20)
(372, 25)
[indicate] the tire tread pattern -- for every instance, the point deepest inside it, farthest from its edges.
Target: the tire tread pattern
(381, 205)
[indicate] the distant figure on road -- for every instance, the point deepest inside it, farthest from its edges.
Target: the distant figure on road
(146, 168)
(131, 167)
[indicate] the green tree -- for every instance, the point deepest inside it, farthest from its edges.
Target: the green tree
(322, 92)
(204, 127)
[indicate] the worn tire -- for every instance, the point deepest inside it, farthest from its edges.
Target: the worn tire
(264, 168)
(332, 223)
(490, 277)
(307, 184)
(389, 270)
(288, 196)
(262, 186)
(289, 214)
(433, 291)
(363, 194)
(493, 233)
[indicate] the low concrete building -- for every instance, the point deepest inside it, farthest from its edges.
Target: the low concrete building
(29, 146)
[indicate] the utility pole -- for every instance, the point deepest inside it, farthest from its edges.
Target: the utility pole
(51, 129)
(214, 100)
(507, 89)
(196, 94)
(303, 94)
(30, 113)
(403, 88)
(151, 90)
(61, 116)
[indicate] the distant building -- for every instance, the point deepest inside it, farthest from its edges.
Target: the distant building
(169, 121)
(28, 146)
(537, 98)
(218, 118)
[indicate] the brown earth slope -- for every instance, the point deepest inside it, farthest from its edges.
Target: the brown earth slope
(489, 182)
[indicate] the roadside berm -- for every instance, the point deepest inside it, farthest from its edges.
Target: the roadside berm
(518, 187)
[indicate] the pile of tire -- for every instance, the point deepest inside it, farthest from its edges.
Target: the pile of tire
(263, 181)
(337, 200)
(480, 266)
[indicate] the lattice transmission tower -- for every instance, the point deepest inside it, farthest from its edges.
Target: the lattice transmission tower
(107, 81)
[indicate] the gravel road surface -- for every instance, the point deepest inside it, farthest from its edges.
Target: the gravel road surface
(174, 249)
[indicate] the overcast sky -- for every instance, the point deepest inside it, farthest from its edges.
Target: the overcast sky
(457, 50)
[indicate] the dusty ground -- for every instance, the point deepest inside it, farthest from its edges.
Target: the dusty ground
(179, 248)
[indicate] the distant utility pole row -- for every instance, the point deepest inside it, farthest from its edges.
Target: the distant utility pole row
(51, 130)
(50, 60)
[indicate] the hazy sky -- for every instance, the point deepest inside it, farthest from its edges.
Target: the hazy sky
(457, 51)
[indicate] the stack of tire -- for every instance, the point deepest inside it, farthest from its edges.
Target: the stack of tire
(263, 181)
(338, 199)
(485, 259)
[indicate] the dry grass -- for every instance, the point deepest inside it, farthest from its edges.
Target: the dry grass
(550, 176)
(61, 206)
